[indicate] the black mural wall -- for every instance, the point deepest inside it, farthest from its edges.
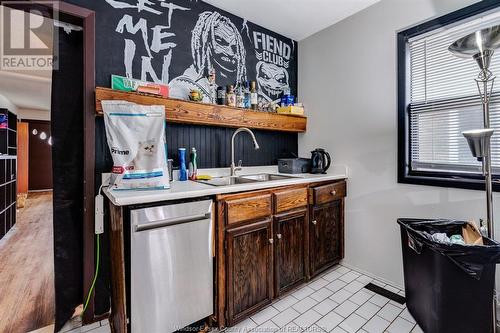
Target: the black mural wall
(176, 42)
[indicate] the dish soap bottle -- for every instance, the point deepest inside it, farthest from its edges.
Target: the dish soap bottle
(182, 164)
(193, 165)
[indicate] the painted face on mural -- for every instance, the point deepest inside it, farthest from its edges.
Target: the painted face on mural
(224, 47)
(272, 80)
(216, 44)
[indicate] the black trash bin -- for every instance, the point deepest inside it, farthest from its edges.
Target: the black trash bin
(449, 287)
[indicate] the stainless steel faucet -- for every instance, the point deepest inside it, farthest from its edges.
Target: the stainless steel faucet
(235, 168)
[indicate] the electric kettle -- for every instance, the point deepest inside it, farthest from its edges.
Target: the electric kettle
(320, 161)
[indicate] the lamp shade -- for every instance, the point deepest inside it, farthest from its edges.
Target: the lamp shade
(479, 141)
(479, 45)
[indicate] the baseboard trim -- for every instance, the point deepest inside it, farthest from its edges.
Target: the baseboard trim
(373, 276)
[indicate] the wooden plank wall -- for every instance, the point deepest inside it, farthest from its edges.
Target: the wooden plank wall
(213, 145)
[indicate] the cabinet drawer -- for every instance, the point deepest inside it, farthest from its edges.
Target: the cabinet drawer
(290, 199)
(330, 192)
(245, 209)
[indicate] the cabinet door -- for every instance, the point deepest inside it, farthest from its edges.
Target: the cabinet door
(326, 234)
(249, 269)
(290, 246)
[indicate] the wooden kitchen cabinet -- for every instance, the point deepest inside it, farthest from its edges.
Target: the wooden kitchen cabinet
(326, 229)
(249, 256)
(290, 258)
(267, 242)
(271, 241)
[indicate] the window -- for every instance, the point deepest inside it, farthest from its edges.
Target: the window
(438, 100)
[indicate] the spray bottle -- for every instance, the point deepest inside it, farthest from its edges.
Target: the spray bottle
(193, 165)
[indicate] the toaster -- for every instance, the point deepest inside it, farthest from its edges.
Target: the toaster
(294, 165)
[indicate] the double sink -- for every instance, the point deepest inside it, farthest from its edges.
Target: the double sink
(244, 179)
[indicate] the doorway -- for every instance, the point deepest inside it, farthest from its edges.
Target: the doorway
(26, 244)
(38, 153)
(72, 132)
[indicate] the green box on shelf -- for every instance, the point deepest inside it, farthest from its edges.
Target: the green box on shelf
(132, 85)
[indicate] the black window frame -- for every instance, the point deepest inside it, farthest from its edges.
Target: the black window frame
(430, 178)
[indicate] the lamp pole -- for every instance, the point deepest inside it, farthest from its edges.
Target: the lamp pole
(480, 45)
(485, 83)
(484, 78)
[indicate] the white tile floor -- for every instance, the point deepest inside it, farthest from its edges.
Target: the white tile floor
(335, 302)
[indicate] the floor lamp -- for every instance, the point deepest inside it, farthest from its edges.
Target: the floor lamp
(481, 46)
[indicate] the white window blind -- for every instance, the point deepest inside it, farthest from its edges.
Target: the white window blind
(444, 101)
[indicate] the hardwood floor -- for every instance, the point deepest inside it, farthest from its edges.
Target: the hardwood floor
(27, 268)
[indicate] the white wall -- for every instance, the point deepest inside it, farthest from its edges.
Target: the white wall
(347, 80)
(7, 104)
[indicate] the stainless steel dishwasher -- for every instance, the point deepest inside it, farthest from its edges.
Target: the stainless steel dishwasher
(171, 265)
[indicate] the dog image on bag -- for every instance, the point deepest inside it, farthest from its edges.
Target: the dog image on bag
(136, 137)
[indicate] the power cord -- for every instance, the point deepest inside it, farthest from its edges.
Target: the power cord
(98, 230)
(95, 275)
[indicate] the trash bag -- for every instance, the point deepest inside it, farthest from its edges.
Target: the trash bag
(470, 258)
(448, 287)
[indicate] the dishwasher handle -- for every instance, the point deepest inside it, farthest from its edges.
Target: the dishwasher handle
(173, 221)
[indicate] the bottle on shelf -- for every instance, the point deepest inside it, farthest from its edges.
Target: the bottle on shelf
(240, 95)
(253, 95)
(221, 95)
(230, 96)
(247, 102)
(212, 86)
(287, 99)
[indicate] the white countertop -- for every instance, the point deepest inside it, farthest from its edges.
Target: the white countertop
(192, 189)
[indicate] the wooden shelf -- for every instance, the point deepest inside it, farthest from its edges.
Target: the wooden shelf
(185, 112)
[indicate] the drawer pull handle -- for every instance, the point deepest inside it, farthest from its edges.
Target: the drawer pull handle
(271, 240)
(278, 236)
(314, 222)
(333, 192)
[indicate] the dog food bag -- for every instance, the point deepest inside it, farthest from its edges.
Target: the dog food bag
(136, 139)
